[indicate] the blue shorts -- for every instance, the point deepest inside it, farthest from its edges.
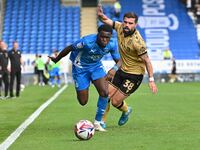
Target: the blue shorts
(82, 78)
(55, 72)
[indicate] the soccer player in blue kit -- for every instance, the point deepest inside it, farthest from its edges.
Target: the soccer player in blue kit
(86, 55)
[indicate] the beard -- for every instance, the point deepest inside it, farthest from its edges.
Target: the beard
(127, 31)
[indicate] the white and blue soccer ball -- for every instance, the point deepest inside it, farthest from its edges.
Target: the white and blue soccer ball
(84, 130)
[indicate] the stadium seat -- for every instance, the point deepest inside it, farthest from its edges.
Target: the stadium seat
(42, 19)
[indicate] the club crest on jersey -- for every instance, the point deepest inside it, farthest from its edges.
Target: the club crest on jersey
(79, 45)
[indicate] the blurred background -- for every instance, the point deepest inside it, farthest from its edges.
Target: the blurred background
(41, 26)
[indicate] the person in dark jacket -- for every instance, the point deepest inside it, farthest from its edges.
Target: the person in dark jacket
(16, 62)
(4, 73)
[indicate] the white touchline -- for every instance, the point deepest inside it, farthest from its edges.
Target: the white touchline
(13, 136)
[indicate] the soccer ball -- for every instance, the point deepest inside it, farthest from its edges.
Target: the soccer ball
(84, 130)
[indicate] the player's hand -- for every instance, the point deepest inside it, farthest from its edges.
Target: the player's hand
(100, 13)
(99, 10)
(110, 74)
(153, 87)
(53, 59)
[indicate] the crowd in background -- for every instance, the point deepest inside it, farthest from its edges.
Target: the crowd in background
(193, 6)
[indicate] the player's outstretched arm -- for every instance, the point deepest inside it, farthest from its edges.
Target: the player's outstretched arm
(149, 68)
(102, 17)
(62, 54)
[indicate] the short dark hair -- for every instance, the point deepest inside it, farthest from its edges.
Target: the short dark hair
(15, 42)
(105, 28)
(131, 15)
(55, 51)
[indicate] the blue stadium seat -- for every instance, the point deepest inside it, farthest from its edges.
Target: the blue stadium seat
(40, 24)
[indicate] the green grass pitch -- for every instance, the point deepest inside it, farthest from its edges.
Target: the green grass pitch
(169, 120)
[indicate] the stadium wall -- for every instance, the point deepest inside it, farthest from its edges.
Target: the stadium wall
(160, 66)
(187, 70)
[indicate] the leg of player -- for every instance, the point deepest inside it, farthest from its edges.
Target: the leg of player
(52, 81)
(0, 85)
(111, 90)
(58, 80)
(6, 85)
(52, 78)
(105, 115)
(82, 96)
(102, 88)
(58, 77)
(82, 83)
(118, 102)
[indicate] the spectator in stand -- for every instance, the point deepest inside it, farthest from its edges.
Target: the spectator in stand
(117, 9)
(190, 5)
(197, 13)
(167, 54)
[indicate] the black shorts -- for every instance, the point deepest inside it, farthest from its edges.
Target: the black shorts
(127, 83)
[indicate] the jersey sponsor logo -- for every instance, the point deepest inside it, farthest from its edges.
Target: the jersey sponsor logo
(96, 57)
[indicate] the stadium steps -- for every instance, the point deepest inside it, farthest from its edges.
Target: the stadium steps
(70, 2)
(2, 17)
(108, 1)
(88, 21)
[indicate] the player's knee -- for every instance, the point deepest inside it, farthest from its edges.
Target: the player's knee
(82, 101)
(115, 103)
(104, 93)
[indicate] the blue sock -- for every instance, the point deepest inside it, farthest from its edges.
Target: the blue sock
(101, 107)
(52, 80)
(58, 81)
